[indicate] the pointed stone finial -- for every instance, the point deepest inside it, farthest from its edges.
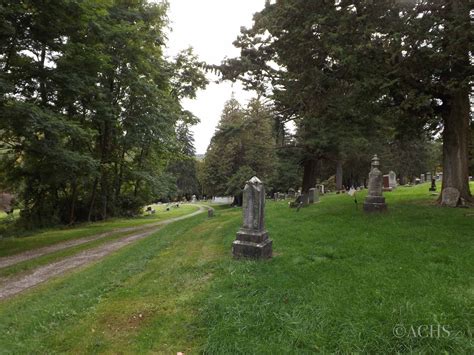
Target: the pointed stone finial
(254, 180)
(375, 202)
(375, 161)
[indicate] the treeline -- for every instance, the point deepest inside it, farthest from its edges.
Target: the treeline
(365, 77)
(90, 119)
(244, 145)
(253, 140)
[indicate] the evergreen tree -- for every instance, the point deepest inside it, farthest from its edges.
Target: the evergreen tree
(242, 146)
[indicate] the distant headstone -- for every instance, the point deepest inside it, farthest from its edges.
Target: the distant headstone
(320, 187)
(392, 179)
(224, 200)
(311, 195)
(6, 202)
(417, 181)
(210, 213)
(193, 198)
(440, 175)
(291, 192)
(428, 176)
(252, 238)
(433, 185)
(422, 178)
(375, 202)
(316, 196)
(386, 183)
(450, 197)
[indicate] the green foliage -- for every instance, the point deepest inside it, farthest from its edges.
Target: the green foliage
(185, 169)
(89, 107)
(358, 77)
(243, 146)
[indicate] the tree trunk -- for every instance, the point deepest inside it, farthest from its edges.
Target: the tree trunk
(237, 200)
(339, 175)
(73, 203)
(94, 193)
(309, 174)
(456, 145)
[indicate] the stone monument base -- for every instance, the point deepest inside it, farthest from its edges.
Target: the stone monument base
(375, 204)
(251, 244)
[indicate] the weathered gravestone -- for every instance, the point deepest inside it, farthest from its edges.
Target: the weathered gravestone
(386, 183)
(433, 185)
(6, 202)
(210, 213)
(252, 238)
(392, 179)
(375, 202)
(422, 178)
(291, 192)
(450, 197)
(428, 176)
(312, 196)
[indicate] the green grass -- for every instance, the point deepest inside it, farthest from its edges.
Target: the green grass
(15, 245)
(28, 265)
(340, 280)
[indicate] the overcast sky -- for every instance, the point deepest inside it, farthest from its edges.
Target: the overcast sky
(210, 27)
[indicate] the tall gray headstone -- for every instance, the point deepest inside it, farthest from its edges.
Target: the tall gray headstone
(375, 202)
(311, 195)
(428, 176)
(252, 238)
(291, 192)
(392, 179)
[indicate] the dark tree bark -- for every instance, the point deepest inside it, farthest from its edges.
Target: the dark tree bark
(238, 200)
(94, 194)
(72, 211)
(456, 137)
(309, 174)
(456, 114)
(339, 175)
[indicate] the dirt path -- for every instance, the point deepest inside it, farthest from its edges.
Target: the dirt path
(35, 253)
(16, 284)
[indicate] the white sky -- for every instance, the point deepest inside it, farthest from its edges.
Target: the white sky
(210, 27)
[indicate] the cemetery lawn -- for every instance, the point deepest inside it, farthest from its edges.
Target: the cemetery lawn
(340, 280)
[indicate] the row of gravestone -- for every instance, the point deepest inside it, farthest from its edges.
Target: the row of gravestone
(252, 239)
(318, 190)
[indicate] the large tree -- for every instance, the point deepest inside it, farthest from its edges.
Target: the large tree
(373, 70)
(434, 64)
(89, 106)
(319, 63)
(243, 145)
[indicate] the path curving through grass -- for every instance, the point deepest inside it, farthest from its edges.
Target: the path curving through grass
(13, 285)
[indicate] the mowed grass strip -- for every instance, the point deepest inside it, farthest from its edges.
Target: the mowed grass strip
(14, 245)
(26, 266)
(141, 297)
(340, 281)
